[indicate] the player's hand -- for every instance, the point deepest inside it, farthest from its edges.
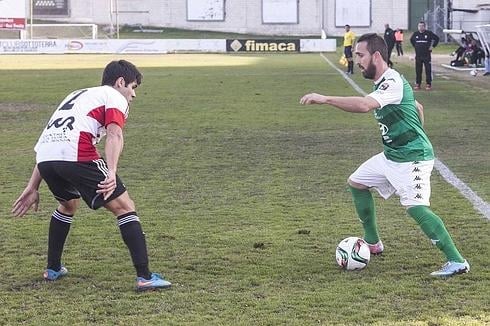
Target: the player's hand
(107, 186)
(312, 98)
(28, 199)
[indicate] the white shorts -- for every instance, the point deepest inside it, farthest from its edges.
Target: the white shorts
(409, 180)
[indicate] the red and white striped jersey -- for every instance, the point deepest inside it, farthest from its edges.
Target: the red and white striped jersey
(79, 123)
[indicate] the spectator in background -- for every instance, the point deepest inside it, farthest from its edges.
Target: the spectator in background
(389, 37)
(477, 54)
(460, 51)
(423, 41)
(399, 41)
(349, 38)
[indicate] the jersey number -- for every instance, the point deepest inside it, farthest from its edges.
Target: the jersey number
(69, 104)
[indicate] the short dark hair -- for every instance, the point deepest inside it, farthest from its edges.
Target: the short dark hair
(121, 68)
(375, 43)
(347, 25)
(422, 22)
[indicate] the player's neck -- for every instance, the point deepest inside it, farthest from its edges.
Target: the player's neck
(384, 67)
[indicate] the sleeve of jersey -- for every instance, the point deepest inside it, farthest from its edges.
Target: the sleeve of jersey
(113, 115)
(389, 92)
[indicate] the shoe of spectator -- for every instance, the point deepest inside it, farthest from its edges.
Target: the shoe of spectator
(416, 87)
(428, 87)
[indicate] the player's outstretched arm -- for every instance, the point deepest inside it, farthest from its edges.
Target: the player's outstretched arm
(29, 197)
(313, 98)
(355, 104)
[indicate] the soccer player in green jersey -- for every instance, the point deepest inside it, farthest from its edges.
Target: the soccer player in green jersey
(405, 165)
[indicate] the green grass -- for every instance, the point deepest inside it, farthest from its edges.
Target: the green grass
(242, 194)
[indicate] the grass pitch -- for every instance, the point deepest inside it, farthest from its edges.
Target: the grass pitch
(242, 194)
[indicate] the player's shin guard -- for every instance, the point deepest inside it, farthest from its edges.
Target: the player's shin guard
(58, 231)
(134, 238)
(364, 202)
(434, 228)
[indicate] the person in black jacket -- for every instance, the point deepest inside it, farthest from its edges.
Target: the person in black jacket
(423, 41)
(389, 37)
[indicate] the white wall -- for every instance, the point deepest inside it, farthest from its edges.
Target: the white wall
(392, 12)
(242, 16)
(467, 4)
(468, 21)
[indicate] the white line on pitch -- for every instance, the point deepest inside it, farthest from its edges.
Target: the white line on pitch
(478, 203)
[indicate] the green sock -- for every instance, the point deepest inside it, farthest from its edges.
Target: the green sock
(364, 202)
(434, 228)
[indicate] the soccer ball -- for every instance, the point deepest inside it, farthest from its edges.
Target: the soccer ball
(473, 72)
(352, 253)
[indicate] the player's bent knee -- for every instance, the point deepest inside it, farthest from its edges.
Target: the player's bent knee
(121, 205)
(69, 207)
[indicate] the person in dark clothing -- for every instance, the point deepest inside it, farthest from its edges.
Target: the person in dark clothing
(460, 51)
(477, 55)
(389, 37)
(423, 41)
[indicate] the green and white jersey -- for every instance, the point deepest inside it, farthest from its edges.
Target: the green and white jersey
(403, 136)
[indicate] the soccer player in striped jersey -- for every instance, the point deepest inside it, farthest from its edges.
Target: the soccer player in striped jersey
(68, 161)
(405, 165)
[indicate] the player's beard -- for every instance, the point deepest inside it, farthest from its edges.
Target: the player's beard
(370, 71)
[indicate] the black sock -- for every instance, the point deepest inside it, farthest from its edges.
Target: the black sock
(58, 231)
(134, 238)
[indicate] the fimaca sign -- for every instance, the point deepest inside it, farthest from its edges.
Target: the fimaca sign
(258, 45)
(13, 14)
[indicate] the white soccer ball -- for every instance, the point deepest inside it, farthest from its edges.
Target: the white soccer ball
(474, 72)
(352, 253)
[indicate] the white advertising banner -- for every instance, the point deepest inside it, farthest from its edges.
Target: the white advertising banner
(111, 46)
(13, 14)
(135, 46)
(318, 45)
(11, 46)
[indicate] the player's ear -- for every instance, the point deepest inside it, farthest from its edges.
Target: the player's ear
(120, 82)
